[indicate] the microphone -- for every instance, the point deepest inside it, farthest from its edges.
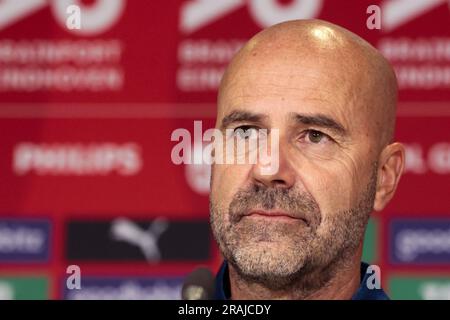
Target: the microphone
(199, 285)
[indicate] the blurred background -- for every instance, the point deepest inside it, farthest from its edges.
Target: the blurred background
(86, 115)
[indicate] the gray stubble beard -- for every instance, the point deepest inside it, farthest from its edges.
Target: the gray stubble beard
(310, 258)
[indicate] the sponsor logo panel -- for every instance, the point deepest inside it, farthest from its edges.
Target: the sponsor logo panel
(23, 288)
(420, 287)
(420, 241)
(126, 288)
(124, 239)
(24, 240)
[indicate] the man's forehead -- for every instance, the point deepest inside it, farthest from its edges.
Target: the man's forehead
(278, 95)
(295, 79)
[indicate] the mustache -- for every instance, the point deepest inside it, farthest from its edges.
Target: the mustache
(298, 204)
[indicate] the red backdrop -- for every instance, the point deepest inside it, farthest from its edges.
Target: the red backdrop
(86, 117)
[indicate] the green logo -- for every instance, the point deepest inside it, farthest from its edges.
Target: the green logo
(23, 288)
(370, 254)
(419, 288)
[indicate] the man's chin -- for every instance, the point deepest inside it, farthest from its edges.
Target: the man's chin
(274, 275)
(268, 258)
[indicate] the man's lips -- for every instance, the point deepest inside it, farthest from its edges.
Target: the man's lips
(274, 215)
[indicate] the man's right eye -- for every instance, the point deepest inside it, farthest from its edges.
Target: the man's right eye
(245, 132)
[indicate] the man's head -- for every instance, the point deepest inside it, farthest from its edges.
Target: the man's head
(332, 98)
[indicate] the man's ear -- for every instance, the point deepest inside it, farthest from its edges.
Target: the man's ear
(390, 168)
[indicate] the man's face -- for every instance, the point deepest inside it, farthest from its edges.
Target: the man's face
(274, 228)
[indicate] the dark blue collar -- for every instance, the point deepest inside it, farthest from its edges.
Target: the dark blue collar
(223, 291)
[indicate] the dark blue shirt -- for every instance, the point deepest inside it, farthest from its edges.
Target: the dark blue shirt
(223, 291)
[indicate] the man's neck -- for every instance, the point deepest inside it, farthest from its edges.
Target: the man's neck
(342, 285)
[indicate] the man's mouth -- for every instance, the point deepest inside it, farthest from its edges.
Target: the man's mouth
(275, 215)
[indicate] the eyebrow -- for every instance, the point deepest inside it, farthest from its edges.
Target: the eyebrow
(322, 121)
(241, 116)
(319, 120)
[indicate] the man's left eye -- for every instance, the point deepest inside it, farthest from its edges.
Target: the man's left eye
(316, 137)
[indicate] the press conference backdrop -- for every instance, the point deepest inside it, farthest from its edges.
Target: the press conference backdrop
(86, 116)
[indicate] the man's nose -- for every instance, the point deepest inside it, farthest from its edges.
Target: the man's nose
(283, 177)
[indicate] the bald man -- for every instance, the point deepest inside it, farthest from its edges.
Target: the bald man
(297, 232)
